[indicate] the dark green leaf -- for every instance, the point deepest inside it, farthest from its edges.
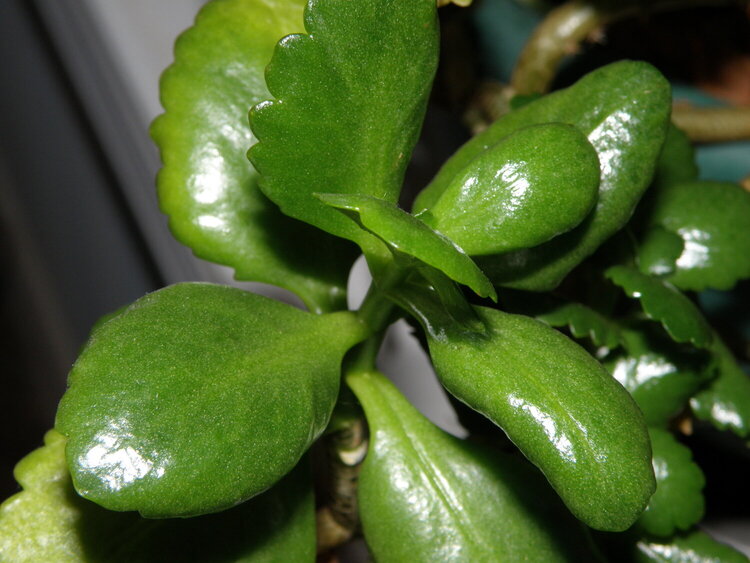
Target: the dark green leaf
(659, 251)
(726, 401)
(528, 188)
(559, 406)
(48, 521)
(691, 547)
(663, 303)
(198, 397)
(408, 235)
(623, 109)
(427, 496)
(677, 159)
(712, 220)
(678, 501)
(582, 321)
(351, 97)
(207, 186)
(660, 374)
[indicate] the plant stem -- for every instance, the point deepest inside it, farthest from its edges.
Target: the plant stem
(711, 125)
(565, 27)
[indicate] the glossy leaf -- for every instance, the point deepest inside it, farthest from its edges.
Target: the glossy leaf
(658, 252)
(408, 235)
(560, 407)
(582, 321)
(48, 521)
(726, 401)
(678, 501)
(663, 303)
(623, 109)
(427, 496)
(198, 397)
(350, 99)
(693, 547)
(712, 220)
(660, 374)
(528, 188)
(207, 187)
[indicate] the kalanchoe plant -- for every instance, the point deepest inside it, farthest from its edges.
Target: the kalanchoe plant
(201, 401)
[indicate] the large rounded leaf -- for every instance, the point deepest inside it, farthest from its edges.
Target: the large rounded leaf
(536, 184)
(560, 407)
(351, 96)
(48, 521)
(427, 496)
(207, 186)
(623, 109)
(198, 397)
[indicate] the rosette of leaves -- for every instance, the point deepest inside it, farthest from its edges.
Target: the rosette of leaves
(199, 399)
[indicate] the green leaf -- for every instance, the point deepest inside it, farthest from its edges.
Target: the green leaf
(582, 321)
(725, 403)
(408, 235)
(692, 547)
(48, 521)
(677, 159)
(198, 397)
(350, 99)
(528, 188)
(623, 109)
(207, 187)
(712, 220)
(658, 252)
(660, 374)
(559, 406)
(427, 496)
(678, 501)
(663, 303)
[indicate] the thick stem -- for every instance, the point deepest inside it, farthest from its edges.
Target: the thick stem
(711, 125)
(565, 27)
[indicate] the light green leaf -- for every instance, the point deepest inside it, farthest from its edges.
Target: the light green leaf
(528, 188)
(623, 109)
(691, 547)
(559, 406)
(48, 521)
(663, 303)
(725, 403)
(408, 235)
(711, 219)
(207, 187)
(678, 501)
(427, 496)
(660, 374)
(350, 99)
(198, 397)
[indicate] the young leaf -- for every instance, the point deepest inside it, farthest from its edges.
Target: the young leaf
(408, 235)
(658, 252)
(694, 546)
(351, 96)
(663, 303)
(677, 159)
(560, 407)
(678, 501)
(528, 188)
(660, 374)
(207, 187)
(623, 109)
(427, 496)
(48, 521)
(198, 397)
(726, 401)
(711, 218)
(582, 321)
